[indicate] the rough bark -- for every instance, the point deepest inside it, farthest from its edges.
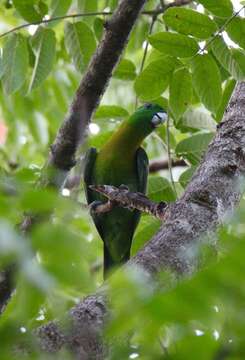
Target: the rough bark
(6, 285)
(214, 190)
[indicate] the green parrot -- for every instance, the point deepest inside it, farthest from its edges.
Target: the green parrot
(121, 161)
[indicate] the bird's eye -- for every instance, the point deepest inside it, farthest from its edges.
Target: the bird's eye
(148, 106)
(159, 118)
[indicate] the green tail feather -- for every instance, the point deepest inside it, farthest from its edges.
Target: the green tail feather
(110, 263)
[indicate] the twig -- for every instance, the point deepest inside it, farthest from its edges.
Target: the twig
(154, 17)
(101, 208)
(220, 30)
(169, 155)
(98, 13)
(153, 20)
(157, 165)
(132, 200)
(55, 18)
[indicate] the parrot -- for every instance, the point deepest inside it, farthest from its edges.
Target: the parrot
(121, 161)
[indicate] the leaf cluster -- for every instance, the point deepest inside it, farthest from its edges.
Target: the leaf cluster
(191, 71)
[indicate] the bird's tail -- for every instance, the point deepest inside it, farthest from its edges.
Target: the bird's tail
(110, 263)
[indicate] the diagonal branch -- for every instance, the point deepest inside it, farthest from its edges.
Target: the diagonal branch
(214, 190)
(132, 200)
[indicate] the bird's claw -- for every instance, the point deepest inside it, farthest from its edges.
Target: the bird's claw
(94, 206)
(99, 207)
(123, 187)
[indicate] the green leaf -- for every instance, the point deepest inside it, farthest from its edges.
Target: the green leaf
(1, 66)
(14, 63)
(207, 81)
(180, 92)
(59, 249)
(80, 43)
(125, 70)
(110, 111)
(198, 118)
(232, 60)
(186, 176)
(221, 8)
(154, 79)
(59, 7)
(174, 44)
(162, 132)
(189, 22)
(194, 147)
(236, 31)
(43, 45)
(36, 200)
(29, 10)
(160, 189)
(88, 6)
(227, 92)
(239, 57)
(98, 27)
(39, 128)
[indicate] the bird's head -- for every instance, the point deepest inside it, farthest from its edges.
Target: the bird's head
(147, 117)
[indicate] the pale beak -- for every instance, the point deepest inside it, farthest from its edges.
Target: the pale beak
(159, 118)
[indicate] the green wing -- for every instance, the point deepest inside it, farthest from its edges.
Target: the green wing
(89, 162)
(117, 227)
(91, 196)
(142, 166)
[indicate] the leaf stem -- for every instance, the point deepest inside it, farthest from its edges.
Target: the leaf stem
(220, 30)
(155, 12)
(153, 20)
(169, 154)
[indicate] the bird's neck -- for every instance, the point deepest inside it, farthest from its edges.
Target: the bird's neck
(127, 138)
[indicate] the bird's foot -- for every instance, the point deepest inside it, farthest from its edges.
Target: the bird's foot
(99, 207)
(130, 200)
(124, 187)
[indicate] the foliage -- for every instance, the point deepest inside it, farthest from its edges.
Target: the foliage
(189, 65)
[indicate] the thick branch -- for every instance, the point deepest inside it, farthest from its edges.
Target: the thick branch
(214, 189)
(6, 286)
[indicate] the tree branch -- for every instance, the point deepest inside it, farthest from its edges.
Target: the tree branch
(6, 285)
(214, 189)
(131, 200)
(157, 165)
